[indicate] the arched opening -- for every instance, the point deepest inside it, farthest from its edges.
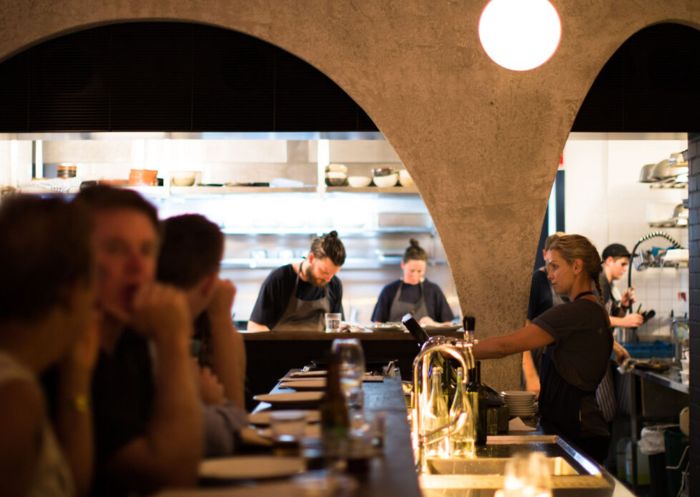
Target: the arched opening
(256, 123)
(626, 169)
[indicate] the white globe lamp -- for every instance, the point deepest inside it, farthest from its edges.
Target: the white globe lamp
(519, 34)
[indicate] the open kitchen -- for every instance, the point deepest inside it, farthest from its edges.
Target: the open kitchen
(279, 152)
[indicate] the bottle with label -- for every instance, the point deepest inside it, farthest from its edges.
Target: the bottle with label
(477, 398)
(335, 420)
(436, 417)
(462, 434)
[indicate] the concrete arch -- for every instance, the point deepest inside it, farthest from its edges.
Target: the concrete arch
(482, 143)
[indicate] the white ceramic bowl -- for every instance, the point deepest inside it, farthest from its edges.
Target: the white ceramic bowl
(359, 181)
(337, 168)
(405, 178)
(386, 181)
(183, 178)
(336, 175)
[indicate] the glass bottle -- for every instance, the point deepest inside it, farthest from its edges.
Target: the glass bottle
(436, 417)
(477, 399)
(462, 434)
(335, 420)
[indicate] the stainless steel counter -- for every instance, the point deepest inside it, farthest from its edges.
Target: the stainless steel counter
(670, 379)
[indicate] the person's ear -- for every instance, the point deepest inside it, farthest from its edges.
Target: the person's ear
(208, 284)
(403, 264)
(310, 258)
(577, 266)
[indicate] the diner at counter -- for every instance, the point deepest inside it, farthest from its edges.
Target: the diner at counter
(296, 296)
(413, 293)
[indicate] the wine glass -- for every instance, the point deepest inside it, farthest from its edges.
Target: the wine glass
(351, 360)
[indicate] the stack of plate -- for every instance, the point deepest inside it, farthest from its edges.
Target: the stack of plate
(520, 403)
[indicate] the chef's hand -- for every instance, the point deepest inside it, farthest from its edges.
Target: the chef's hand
(628, 298)
(427, 321)
(633, 320)
(621, 353)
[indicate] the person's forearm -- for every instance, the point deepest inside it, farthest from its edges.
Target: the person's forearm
(253, 326)
(228, 359)
(491, 348)
(617, 322)
(174, 434)
(73, 425)
(529, 369)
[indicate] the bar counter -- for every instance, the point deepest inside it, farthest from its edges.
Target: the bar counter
(393, 473)
(270, 354)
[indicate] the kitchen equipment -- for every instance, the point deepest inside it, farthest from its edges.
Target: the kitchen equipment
(336, 178)
(646, 175)
(405, 178)
(146, 177)
(337, 168)
(383, 171)
(359, 181)
(386, 181)
(183, 178)
(66, 170)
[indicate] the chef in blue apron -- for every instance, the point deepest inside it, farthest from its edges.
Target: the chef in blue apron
(413, 293)
(296, 296)
(577, 345)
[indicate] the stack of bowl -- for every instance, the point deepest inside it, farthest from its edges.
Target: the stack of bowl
(385, 177)
(520, 403)
(336, 175)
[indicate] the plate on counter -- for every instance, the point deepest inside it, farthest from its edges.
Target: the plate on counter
(301, 384)
(292, 398)
(306, 374)
(250, 468)
(386, 327)
(451, 327)
(262, 418)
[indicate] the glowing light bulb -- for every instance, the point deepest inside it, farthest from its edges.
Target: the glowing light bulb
(519, 34)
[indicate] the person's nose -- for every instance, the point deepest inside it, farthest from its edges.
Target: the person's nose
(135, 262)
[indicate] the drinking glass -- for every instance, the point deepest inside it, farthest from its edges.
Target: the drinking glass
(332, 322)
(352, 369)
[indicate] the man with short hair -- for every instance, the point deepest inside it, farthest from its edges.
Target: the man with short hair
(189, 259)
(616, 261)
(146, 409)
(296, 296)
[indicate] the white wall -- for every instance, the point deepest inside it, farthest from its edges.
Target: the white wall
(606, 202)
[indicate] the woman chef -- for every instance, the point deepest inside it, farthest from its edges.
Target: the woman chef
(413, 293)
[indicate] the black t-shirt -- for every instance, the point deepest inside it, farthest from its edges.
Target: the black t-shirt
(582, 341)
(435, 301)
(122, 396)
(277, 289)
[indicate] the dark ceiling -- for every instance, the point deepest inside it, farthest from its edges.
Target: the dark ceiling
(190, 77)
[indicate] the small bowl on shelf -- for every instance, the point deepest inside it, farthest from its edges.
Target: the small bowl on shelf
(336, 178)
(359, 181)
(183, 178)
(405, 178)
(337, 168)
(385, 181)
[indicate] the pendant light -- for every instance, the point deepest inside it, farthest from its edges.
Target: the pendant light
(519, 34)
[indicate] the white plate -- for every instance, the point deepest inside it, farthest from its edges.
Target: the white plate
(303, 374)
(262, 418)
(290, 398)
(254, 467)
(311, 431)
(317, 384)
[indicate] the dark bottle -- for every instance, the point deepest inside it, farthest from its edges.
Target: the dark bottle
(478, 400)
(335, 421)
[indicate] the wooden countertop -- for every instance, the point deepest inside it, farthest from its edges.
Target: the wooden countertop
(322, 336)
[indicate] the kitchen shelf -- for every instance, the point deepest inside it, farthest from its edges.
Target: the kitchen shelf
(342, 232)
(350, 263)
(393, 190)
(189, 191)
(668, 186)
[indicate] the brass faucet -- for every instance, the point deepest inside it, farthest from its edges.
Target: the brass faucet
(457, 349)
